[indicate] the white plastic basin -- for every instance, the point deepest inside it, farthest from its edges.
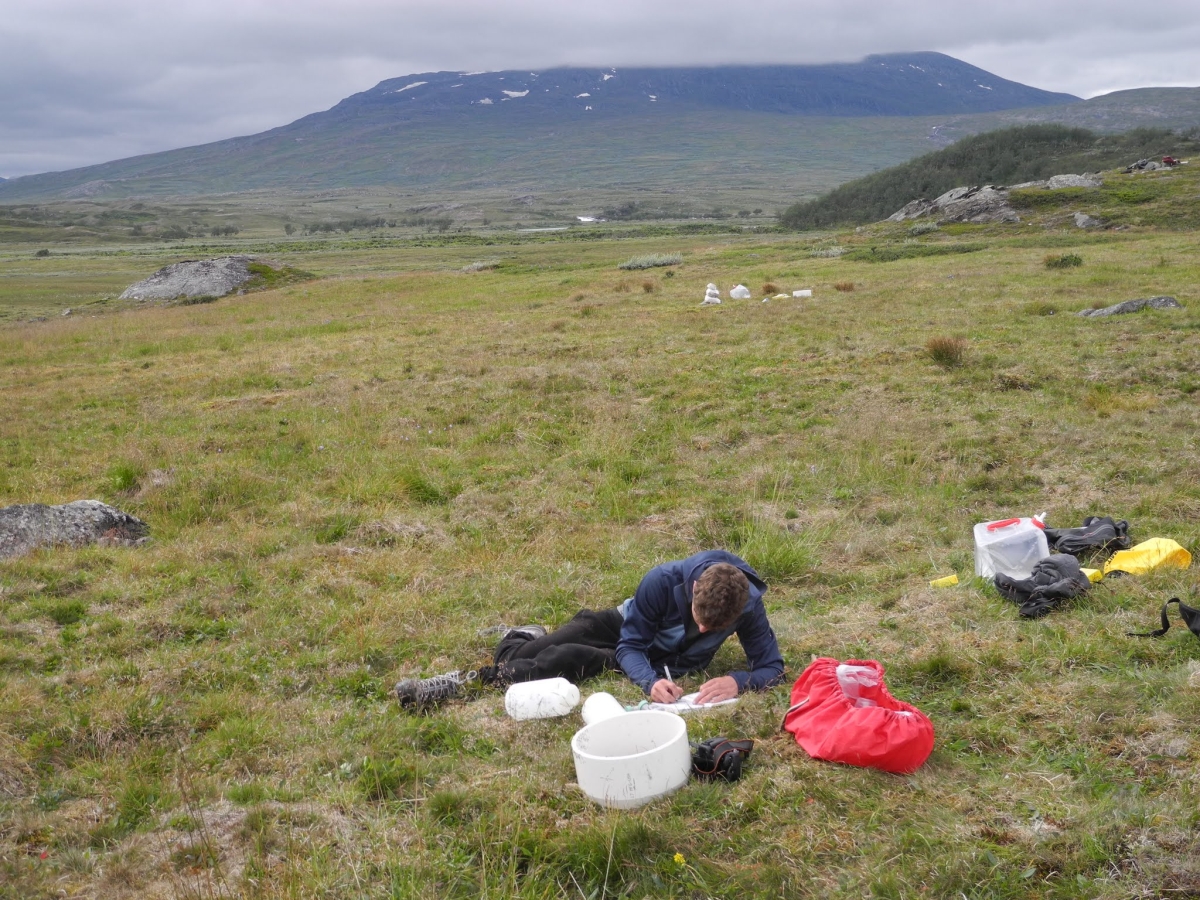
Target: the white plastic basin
(629, 760)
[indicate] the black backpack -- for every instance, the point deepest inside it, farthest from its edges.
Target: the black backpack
(1098, 534)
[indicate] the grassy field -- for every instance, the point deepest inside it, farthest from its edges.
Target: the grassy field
(346, 479)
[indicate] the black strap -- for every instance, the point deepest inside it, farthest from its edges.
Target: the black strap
(1166, 623)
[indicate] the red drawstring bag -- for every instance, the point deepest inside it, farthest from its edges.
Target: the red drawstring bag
(842, 712)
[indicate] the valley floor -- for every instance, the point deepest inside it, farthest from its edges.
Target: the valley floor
(347, 478)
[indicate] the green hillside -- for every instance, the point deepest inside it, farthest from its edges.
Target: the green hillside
(1008, 156)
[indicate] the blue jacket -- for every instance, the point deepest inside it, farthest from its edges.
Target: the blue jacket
(659, 629)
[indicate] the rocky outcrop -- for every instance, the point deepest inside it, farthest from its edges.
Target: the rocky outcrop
(1083, 220)
(984, 203)
(25, 528)
(1131, 306)
(979, 204)
(193, 278)
(1071, 181)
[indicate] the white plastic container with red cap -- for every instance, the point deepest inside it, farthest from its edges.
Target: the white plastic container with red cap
(1010, 546)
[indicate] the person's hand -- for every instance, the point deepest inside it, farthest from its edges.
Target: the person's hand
(668, 691)
(717, 689)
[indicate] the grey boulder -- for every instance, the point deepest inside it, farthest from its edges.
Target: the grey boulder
(25, 528)
(1132, 306)
(977, 204)
(193, 278)
(1069, 181)
(1083, 220)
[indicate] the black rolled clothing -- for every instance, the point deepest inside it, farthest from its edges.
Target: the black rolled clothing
(582, 648)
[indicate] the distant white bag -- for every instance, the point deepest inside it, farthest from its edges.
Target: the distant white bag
(741, 292)
(803, 293)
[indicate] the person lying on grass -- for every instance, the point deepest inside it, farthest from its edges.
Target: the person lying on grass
(682, 612)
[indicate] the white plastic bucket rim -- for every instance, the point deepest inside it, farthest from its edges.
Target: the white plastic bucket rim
(628, 780)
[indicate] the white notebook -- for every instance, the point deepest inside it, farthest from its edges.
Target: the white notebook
(687, 703)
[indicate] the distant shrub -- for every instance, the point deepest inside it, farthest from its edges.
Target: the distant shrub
(224, 230)
(42, 253)
(482, 265)
(924, 228)
(174, 233)
(1066, 261)
(652, 260)
(947, 352)
(844, 286)
(827, 252)
(1039, 308)
(770, 288)
(649, 287)
(893, 252)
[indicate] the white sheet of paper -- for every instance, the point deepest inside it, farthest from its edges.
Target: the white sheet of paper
(687, 703)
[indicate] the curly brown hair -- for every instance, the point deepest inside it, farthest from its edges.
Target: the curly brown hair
(719, 596)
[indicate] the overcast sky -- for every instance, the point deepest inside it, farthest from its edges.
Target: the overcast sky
(86, 81)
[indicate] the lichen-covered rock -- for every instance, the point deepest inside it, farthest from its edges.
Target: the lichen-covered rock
(978, 204)
(1068, 181)
(1131, 306)
(1083, 220)
(193, 278)
(25, 528)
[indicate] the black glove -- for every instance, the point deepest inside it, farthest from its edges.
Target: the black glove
(1053, 580)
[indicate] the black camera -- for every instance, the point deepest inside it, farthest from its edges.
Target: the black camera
(721, 758)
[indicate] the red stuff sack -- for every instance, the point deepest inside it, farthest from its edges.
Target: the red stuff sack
(842, 712)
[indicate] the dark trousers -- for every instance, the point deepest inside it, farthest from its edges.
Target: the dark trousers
(582, 648)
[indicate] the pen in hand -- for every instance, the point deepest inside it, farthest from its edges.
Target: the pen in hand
(678, 692)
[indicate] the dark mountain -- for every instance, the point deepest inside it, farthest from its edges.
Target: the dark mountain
(910, 84)
(455, 131)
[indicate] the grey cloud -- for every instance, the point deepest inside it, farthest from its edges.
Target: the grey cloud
(88, 82)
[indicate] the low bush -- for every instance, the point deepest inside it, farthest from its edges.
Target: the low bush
(652, 260)
(1039, 308)
(482, 265)
(1066, 261)
(893, 252)
(844, 286)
